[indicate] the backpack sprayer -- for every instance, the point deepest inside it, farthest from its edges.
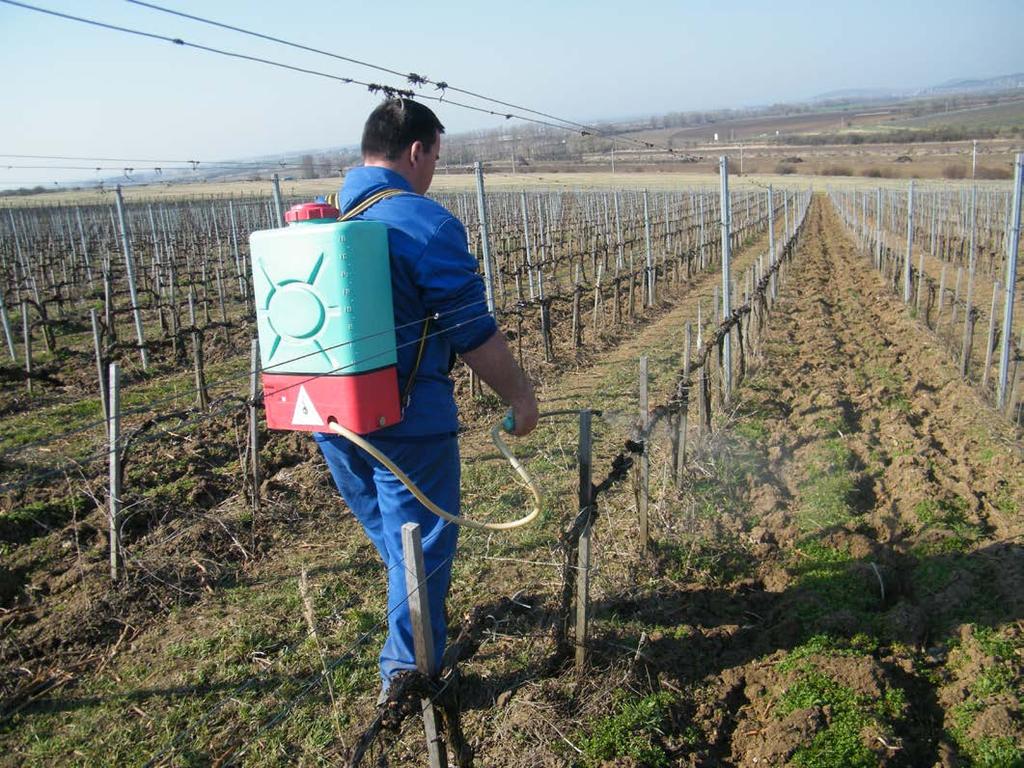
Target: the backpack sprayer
(325, 319)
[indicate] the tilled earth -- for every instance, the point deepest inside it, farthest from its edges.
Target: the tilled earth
(874, 615)
(838, 582)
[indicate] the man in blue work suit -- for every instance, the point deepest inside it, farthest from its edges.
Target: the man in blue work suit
(433, 275)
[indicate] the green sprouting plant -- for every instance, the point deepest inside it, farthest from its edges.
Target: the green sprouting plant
(632, 731)
(832, 580)
(828, 645)
(840, 744)
(999, 679)
(826, 492)
(994, 644)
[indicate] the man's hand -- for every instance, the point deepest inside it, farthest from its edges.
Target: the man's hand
(492, 361)
(524, 417)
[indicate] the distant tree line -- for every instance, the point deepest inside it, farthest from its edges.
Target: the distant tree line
(36, 190)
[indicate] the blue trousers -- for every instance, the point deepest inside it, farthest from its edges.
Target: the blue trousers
(383, 505)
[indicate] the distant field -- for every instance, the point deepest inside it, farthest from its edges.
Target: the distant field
(743, 129)
(762, 162)
(1008, 114)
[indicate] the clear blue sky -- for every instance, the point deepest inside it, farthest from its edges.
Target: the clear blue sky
(76, 90)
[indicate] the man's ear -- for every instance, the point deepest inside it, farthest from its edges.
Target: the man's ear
(416, 152)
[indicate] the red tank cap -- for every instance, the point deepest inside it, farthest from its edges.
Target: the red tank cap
(311, 211)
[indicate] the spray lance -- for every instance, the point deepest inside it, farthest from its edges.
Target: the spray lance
(325, 318)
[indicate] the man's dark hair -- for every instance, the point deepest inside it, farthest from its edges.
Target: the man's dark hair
(395, 124)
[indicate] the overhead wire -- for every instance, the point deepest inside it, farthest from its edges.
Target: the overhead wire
(411, 77)
(387, 90)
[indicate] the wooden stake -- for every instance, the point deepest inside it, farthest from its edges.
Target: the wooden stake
(26, 330)
(422, 635)
(991, 338)
(197, 356)
(254, 426)
(99, 363)
(645, 459)
(586, 501)
(684, 416)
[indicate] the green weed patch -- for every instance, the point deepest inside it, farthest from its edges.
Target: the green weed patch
(831, 581)
(841, 743)
(634, 730)
(827, 490)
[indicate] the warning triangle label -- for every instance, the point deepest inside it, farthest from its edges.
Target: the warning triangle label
(305, 412)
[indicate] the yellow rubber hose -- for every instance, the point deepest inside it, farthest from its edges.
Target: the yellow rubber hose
(404, 479)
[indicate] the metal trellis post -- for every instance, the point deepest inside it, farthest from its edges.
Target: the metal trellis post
(726, 213)
(1011, 284)
(129, 266)
(114, 431)
(485, 246)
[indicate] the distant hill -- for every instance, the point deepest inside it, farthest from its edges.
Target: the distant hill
(859, 94)
(948, 88)
(1000, 83)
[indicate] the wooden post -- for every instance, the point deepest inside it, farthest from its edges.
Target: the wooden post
(645, 459)
(545, 329)
(649, 256)
(254, 426)
(99, 363)
(991, 338)
(684, 416)
(956, 298)
(197, 356)
(108, 303)
(26, 330)
(942, 295)
(114, 424)
(586, 501)
(1009, 396)
(422, 635)
(278, 203)
(577, 321)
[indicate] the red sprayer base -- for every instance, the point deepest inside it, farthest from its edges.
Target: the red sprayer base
(363, 402)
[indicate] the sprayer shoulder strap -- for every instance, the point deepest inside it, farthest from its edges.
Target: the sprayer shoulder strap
(362, 207)
(366, 204)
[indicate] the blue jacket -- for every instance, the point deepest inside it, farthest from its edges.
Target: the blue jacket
(432, 273)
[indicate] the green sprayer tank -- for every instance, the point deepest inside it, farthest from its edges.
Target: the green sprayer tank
(326, 322)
